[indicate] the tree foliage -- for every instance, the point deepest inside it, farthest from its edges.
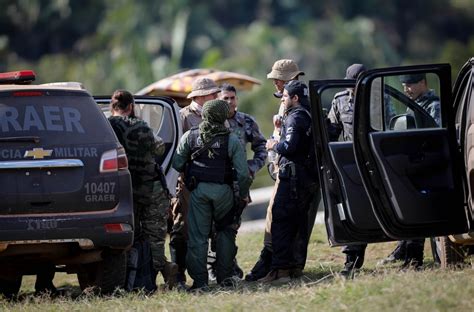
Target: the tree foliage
(129, 44)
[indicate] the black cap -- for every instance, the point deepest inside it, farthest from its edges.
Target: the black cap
(353, 71)
(299, 88)
(413, 78)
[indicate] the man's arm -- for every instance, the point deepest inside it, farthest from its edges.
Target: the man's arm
(257, 141)
(182, 154)
(239, 162)
(334, 124)
(288, 145)
(434, 111)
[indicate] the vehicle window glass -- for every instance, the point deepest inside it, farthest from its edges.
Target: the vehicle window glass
(158, 118)
(376, 104)
(55, 118)
(405, 102)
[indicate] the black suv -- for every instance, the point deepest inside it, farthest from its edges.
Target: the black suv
(405, 175)
(64, 184)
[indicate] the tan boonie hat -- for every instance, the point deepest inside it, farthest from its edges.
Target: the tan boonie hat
(202, 87)
(285, 70)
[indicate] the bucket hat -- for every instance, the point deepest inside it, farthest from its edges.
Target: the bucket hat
(285, 70)
(202, 87)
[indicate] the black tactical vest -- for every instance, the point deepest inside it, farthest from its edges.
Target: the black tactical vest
(203, 168)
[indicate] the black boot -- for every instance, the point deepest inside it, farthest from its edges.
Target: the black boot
(354, 261)
(262, 267)
(44, 280)
(178, 255)
(236, 270)
(398, 254)
(414, 254)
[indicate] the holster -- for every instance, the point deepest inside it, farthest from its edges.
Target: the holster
(287, 171)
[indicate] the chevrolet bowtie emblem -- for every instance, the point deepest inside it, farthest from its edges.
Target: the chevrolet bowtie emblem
(38, 153)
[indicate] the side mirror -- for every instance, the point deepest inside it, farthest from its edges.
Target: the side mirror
(402, 122)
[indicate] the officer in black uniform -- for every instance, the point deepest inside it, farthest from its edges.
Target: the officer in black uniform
(298, 181)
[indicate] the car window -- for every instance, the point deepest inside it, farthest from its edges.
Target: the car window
(53, 116)
(403, 102)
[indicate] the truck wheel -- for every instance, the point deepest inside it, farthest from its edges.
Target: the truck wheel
(104, 276)
(10, 287)
(448, 253)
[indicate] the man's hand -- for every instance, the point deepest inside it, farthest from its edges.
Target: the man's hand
(277, 121)
(270, 144)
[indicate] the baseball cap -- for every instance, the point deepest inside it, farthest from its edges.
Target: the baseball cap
(353, 71)
(412, 78)
(296, 87)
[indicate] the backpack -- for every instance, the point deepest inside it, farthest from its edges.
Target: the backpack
(140, 271)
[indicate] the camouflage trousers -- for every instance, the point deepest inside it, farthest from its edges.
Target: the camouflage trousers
(151, 206)
(179, 230)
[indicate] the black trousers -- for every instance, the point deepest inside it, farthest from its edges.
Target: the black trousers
(290, 228)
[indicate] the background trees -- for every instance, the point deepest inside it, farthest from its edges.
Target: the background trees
(129, 44)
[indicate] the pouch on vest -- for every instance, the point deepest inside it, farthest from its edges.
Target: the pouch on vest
(284, 171)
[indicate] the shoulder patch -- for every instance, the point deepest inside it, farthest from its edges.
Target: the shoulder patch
(342, 93)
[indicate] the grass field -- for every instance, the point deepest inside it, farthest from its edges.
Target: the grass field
(321, 289)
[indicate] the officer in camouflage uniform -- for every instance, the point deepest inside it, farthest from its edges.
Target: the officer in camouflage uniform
(415, 86)
(209, 153)
(246, 129)
(151, 199)
(340, 122)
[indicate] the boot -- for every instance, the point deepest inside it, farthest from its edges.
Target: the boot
(354, 261)
(262, 267)
(414, 256)
(296, 272)
(170, 272)
(44, 280)
(236, 270)
(276, 277)
(398, 254)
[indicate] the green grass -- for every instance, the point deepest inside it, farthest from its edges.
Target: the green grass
(321, 289)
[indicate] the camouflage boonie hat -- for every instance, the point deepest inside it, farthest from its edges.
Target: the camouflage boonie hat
(285, 70)
(202, 87)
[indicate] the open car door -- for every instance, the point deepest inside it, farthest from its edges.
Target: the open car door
(411, 167)
(348, 214)
(162, 115)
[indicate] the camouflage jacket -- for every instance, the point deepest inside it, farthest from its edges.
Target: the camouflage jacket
(246, 129)
(341, 115)
(140, 145)
(189, 117)
(429, 101)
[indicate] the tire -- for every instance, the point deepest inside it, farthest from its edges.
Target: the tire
(104, 276)
(448, 253)
(10, 288)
